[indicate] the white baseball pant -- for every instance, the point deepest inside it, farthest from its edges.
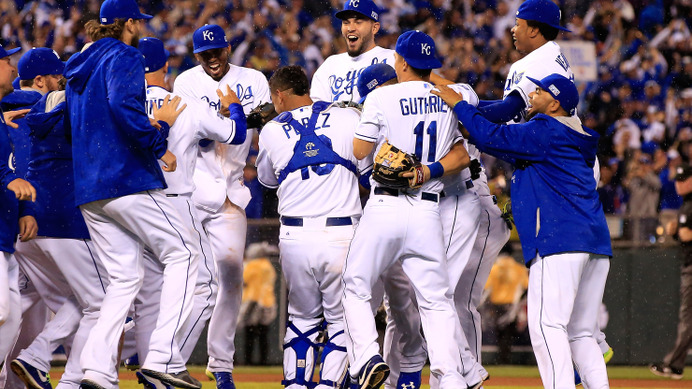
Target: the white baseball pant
(149, 296)
(226, 230)
(407, 229)
(493, 234)
(10, 303)
(565, 293)
(312, 258)
(120, 229)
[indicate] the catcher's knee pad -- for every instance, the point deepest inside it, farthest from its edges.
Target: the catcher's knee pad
(334, 367)
(304, 348)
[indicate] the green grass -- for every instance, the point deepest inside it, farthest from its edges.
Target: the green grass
(614, 373)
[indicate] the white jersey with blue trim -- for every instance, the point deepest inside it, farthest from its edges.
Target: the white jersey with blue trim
(413, 120)
(327, 190)
(219, 172)
(196, 122)
(538, 64)
(337, 77)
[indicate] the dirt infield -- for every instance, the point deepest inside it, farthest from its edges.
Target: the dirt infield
(493, 382)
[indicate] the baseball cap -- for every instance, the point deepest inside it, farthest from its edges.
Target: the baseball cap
(542, 11)
(208, 37)
(155, 55)
(6, 53)
(120, 9)
(683, 172)
(418, 49)
(39, 61)
(373, 76)
(561, 88)
(366, 8)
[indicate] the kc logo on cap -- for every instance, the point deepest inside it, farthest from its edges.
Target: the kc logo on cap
(418, 50)
(208, 37)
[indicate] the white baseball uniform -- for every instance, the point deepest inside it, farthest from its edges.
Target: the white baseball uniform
(197, 122)
(319, 206)
(336, 78)
(222, 198)
(10, 314)
(404, 227)
(460, 214)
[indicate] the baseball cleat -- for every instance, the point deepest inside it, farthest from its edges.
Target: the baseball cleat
(478, 385)
(89, 384)
(151, 383)
(132, 363)
(660, 370)
(224, 380)
(182, 379)
(32, 377)
(209, 375)
(608, 355)
(409, 380)
(373, 375)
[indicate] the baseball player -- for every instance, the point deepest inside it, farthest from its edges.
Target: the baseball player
(220, 194)
(307, 153)
(554, 196)
(118, 184)
(197, 122)
(16, 189)
(413, 122)
(459, 236)
(336, 78)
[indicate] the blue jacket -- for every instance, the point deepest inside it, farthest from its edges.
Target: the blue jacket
(51, 172)
(554, 198)
(9, 212)
(20, 99)
(114, 147)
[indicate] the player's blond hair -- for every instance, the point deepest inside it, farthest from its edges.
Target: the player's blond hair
(96, 30)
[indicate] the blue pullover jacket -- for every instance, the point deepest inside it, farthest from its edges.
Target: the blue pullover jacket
(9, 212)
(20, 99)
(554, 199)
(51, 171)
(114, 147)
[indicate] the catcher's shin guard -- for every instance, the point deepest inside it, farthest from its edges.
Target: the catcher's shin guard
(300, 354)
(334, 367)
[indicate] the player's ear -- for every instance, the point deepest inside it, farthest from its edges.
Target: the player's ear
(375, 28)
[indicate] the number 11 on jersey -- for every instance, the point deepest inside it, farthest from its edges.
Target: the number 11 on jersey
(420, 132)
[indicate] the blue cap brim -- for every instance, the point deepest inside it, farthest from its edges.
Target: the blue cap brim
(11, 51)
(343, 14)
(537, 82)
(209, 47)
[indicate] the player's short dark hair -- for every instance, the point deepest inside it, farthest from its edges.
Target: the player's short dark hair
(290, 77)
(95, 30)
(422, 73)
(26, 83)
(548, 32)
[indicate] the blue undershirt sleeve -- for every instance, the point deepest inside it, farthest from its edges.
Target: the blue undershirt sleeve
(502, 111)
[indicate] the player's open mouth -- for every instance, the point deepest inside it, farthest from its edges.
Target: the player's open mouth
(352, 38)
(215, 66)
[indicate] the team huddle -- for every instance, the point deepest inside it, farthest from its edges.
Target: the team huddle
(152, 252)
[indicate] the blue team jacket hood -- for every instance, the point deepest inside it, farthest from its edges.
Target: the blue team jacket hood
(20, 99)
(41, 122)
(79, 67)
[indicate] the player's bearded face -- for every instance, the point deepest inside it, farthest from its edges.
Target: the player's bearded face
(7, 75)
(214, 62)
(539, 102)
(359, 34)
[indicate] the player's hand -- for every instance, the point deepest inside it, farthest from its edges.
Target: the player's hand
(12, 115)
(169, 111)
(170, 162)
(226, 100)
(22, 189)
(28, 228)
(672, 227)
(155, 124)
(450, 96)
(412, 175)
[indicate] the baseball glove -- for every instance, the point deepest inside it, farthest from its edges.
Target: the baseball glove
(261, 115)
(390, 166)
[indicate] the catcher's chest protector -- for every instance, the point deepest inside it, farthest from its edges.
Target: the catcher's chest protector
(311, 149)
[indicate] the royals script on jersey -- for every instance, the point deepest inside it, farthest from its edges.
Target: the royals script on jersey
(324, 190)
(540, 63)
(336, 78)
(414, 120)
(219, 171)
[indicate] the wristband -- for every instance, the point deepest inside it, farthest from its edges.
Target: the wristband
(436, 170)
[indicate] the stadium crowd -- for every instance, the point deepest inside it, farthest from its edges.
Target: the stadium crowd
(641, 101)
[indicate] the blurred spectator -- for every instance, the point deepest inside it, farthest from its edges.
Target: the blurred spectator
(670, 200)
(258, 309)
(644, 187)
(506, 285)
